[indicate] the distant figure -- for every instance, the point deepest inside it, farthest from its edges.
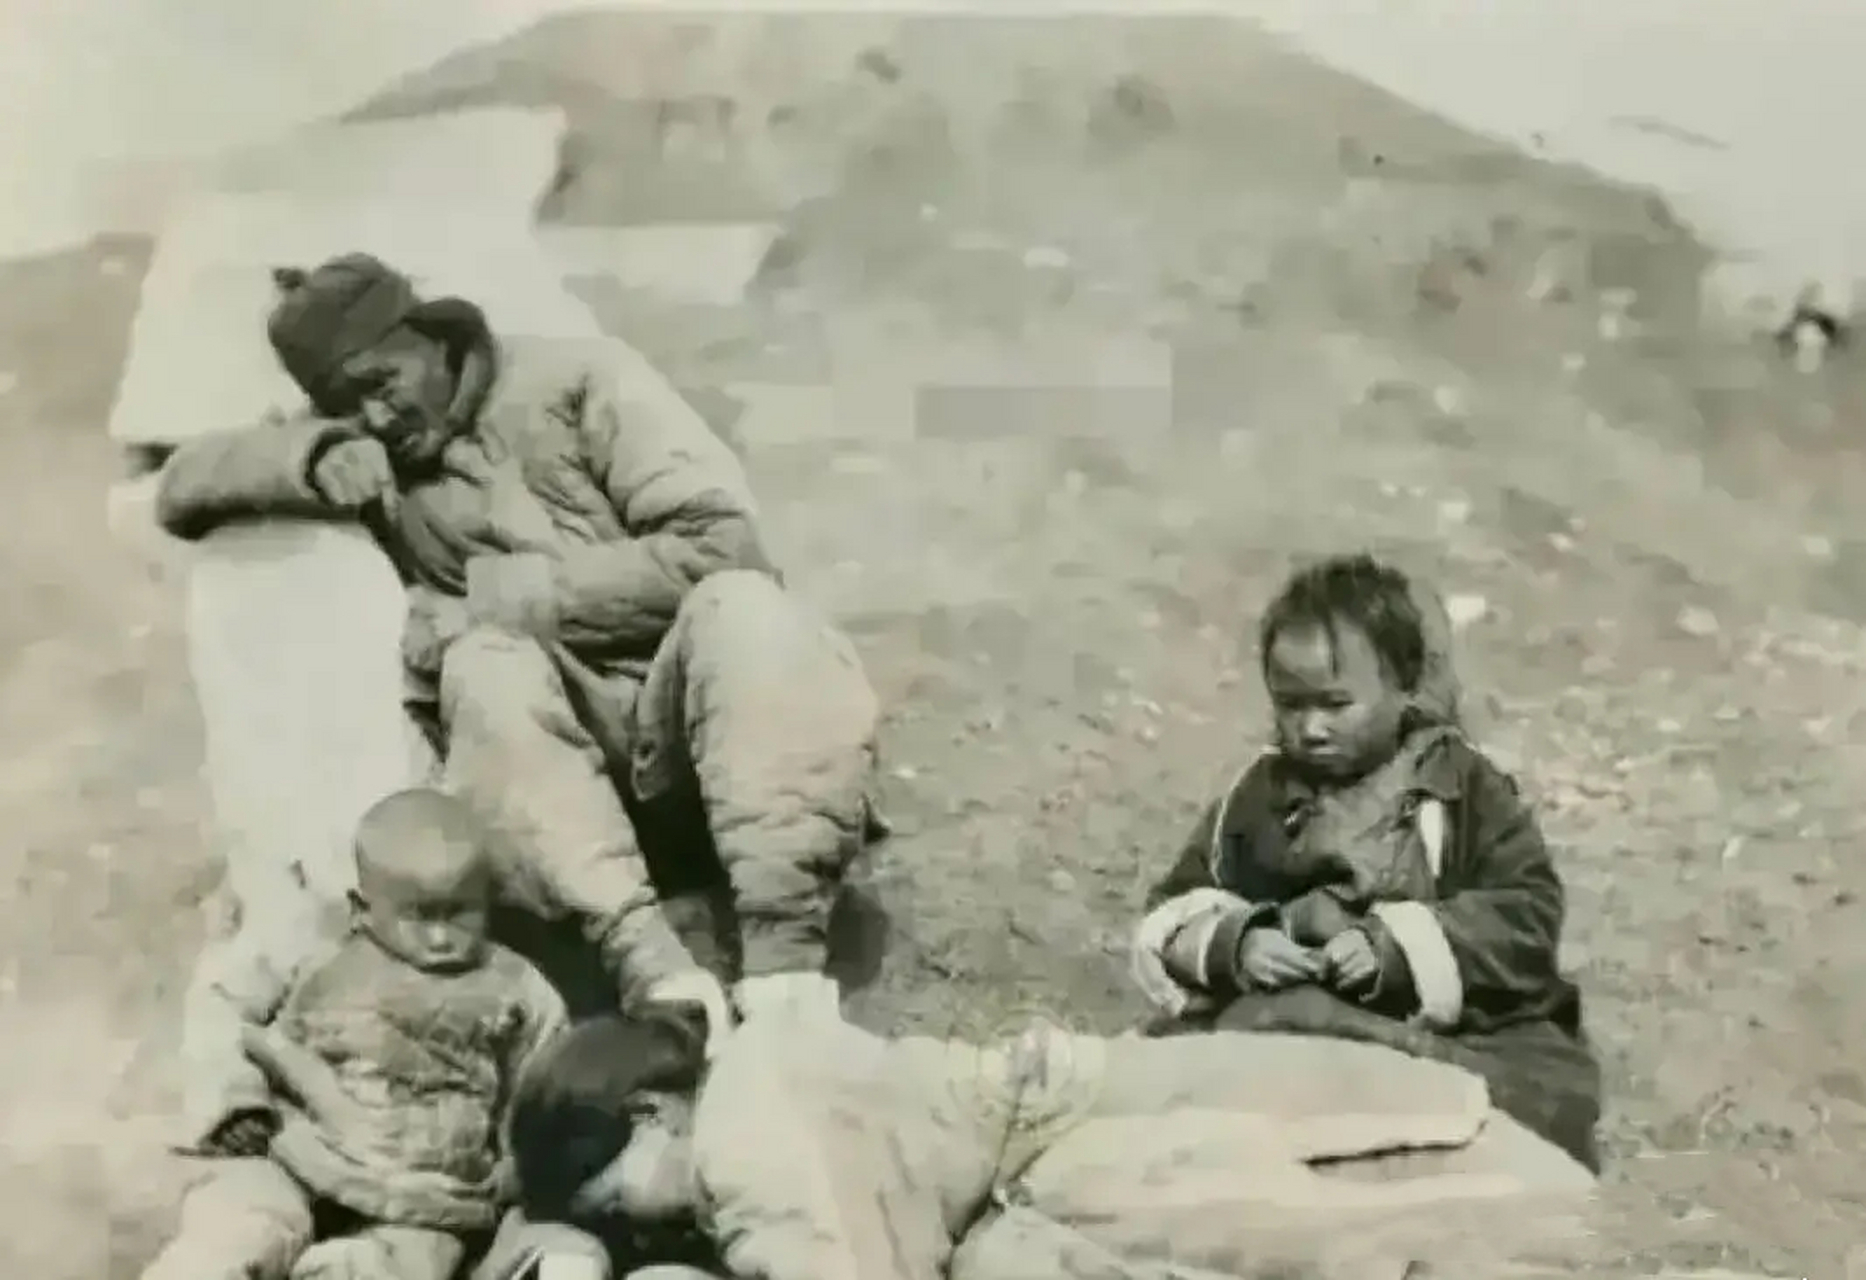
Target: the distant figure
(1810, 333)
(368, 1135)
(1375, 875)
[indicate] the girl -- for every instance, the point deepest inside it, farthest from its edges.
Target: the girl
(1374, 875)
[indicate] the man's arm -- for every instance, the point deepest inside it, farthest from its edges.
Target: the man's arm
(683, 502)
(246, 472)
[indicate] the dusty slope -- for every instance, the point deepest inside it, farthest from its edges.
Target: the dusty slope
(1051, 586)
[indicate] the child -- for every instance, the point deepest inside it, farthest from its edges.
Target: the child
(1379, 856)
(393, 1058)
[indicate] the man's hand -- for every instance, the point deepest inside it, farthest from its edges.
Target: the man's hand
(351, 474)
(700, 989)
(1353, 964)
(1270, 960)
(244, 1135)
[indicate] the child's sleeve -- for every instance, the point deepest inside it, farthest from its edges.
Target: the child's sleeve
(233, 989)
(1489, 945)
(1186, 947)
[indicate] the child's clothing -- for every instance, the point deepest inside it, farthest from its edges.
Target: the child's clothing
(1436, 856)
(427, 1061)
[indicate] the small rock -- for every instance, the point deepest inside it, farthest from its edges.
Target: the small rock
(1147, 733)
(905, 772)
(1045, 257)
(1670, 728)
(1449, 400)
(1466, 610)
(1818, 548)
(1699, 622)
(1561, 542)
(1454, 511)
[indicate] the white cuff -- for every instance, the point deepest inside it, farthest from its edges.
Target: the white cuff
(1421, 939)
(1199, 910)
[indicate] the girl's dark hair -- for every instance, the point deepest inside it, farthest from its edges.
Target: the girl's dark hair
(571, 1110)
(1357, 591)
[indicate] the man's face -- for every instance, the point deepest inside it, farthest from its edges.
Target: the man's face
(401, 390)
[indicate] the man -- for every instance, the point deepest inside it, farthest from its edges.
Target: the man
(597, 645)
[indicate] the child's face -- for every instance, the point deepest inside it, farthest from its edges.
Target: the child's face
(1338, 713)
(653, 1181)
(429, 912)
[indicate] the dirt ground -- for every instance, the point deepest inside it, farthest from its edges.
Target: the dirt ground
(1382, 332)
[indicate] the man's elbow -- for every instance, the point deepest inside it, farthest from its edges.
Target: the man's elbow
(731, 542)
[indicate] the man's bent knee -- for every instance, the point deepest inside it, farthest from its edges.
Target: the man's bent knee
(488, 666)
(494, 681)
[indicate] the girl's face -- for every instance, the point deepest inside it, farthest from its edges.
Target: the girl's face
(653, 1181)
(1337, 711)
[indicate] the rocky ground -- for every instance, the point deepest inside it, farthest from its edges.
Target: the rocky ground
(1253, 311)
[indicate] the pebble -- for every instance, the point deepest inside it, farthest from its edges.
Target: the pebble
(1449, 400)
(905, 772)
(1561, 542)
(1466, 610)
(1698, 622)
